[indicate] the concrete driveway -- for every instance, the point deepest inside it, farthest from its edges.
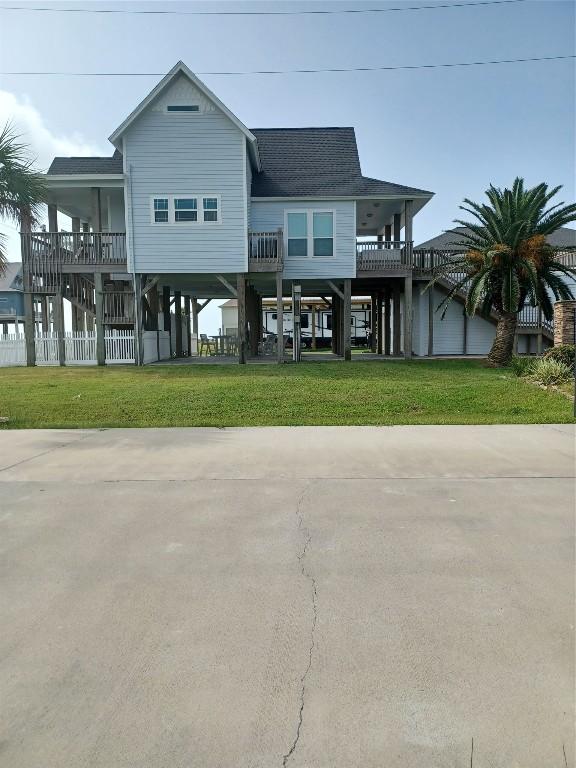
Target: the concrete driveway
(318, 597)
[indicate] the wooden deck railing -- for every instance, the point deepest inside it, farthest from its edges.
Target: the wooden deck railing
(266, 251)
(377, 255)
(47, 255)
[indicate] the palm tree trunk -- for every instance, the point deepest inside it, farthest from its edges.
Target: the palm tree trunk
(503, 345)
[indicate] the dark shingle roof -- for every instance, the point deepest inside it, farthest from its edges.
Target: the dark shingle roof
(11, 278)
(298, 162)
(77, 165)
(562, 238)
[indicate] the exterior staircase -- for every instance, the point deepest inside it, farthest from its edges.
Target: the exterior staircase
(529, 320)
(79, 290)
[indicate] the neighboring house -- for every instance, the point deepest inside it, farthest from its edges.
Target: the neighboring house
(11, 298)
(193, 204)
(459, 334)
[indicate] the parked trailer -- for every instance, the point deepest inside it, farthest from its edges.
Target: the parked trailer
(359, 321)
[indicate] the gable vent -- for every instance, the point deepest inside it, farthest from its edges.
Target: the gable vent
(182, 108)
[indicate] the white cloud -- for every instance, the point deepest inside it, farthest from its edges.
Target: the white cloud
(44, 146)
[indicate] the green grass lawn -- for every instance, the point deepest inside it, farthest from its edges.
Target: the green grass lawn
(418, 392)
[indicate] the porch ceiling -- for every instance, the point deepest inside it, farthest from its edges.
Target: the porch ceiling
(77, 201)
(373, 214)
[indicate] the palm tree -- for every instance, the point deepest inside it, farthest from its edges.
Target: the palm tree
(22, 189)
(506, 261)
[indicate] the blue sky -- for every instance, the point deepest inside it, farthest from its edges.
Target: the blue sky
(452, 131)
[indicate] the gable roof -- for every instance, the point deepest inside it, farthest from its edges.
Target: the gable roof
(11, 278)
(303, 162)
(562, 238)
(177, 69)
(87, 165)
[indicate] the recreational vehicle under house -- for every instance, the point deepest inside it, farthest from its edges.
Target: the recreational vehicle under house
(193, 206)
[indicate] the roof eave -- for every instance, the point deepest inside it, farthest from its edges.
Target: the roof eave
(180, 67)
(420, 196)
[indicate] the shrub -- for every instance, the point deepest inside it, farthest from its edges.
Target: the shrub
(547, 372)
(522, 366)
(563, 353)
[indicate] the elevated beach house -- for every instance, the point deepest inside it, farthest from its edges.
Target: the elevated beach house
(194, 205)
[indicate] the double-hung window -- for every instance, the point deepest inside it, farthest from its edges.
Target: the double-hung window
(185, 209)
(323, 234)
(310, 234)
(210, 207)
(298, 234)
(161, 210)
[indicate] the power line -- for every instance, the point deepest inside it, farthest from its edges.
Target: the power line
(300, 71)
(315, 12)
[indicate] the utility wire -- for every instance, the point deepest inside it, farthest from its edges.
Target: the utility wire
(315, 12)
(300, 71)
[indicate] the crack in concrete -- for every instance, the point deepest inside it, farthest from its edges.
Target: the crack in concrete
(50, 450)
(314, 593)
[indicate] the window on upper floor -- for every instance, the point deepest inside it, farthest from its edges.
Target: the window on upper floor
(185, 209)
(298, 234)
(161, 210)
(210, 206)
(190, 209)
(310, 234)
(323, 233)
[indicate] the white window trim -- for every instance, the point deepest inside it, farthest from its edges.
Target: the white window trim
(172, 223)
(310, 234)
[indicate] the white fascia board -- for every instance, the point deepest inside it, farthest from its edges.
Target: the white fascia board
(84, 180)
(327, 198)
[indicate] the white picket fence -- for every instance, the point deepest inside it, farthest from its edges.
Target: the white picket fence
(79, 348)
(47, 349)
(12, 349)
(119, 346)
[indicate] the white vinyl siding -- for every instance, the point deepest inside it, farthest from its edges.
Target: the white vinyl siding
(180, 156)
(269, 216)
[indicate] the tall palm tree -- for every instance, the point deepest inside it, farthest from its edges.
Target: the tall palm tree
(506, 261)
(22, 188)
